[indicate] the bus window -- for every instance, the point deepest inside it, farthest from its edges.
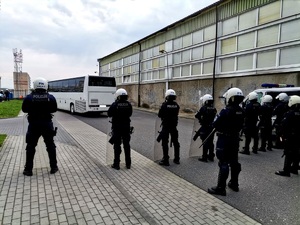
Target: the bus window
(102, 81)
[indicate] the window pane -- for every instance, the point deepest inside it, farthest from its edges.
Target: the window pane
(155, 63)
(266, 59)
(290, 31)
(228, 45)
(197, 37)
(177, 58)
(185, 71)
(208, 67)
(290, 8)
(227, 65)
(267, 36)
(246, 41)
(162, 61)
(176, 72)
(289, 56)
(155, 74)
(161, 74)
(177, 44)
(196, 69)
(186, 56)
(230, 26)
(196, 53)
(247, 20)
(245, 62)
(186, 40)
(209, 33)
(269, 13)
(209, 50)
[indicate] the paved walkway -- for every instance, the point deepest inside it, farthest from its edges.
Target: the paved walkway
(87, 191)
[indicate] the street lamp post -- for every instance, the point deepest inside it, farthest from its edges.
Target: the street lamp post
(167, 80)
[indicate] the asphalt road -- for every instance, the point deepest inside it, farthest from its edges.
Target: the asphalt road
(264, 196)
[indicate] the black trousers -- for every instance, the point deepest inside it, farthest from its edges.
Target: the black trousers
(122, 135)
(34, 132)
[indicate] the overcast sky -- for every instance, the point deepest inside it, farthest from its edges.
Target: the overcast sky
(64, 38)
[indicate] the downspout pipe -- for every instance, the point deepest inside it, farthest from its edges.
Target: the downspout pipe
(139, 82)
(215, 55)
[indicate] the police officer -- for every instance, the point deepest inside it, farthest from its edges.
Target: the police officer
(265, 123)
(120, 111)
(280, 109)
(168, 113)
(250, 123)
(40, 105)
(206, 116)
(228, 125)
(6, 94)
(290, 133)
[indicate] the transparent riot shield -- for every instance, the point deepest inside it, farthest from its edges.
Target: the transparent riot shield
(158, 151)
(110, 147)
(41, 158)
(195, 144)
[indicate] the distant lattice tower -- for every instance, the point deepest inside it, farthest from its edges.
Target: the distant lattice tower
(18, 59)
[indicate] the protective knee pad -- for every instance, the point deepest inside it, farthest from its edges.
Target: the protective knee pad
(224, 168)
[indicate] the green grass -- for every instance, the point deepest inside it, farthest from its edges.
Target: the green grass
(9, 109)
(2, 138)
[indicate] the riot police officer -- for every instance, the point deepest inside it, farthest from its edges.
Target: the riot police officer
(265, 123)
(228, 125)
(120, 111)
(40, 105)
(290, 133)
(280, 109)
(168, 113)
(250, 123)
(206, 116)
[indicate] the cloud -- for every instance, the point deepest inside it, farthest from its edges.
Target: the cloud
(62, 38)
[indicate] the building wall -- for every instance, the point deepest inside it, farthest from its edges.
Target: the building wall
(252, 41)
(152, 95)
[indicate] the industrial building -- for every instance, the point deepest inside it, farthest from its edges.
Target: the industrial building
(231, 43)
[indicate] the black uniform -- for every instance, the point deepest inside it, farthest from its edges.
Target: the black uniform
(6, 95)
(168, 113)
(290, 133)
(228, 125)
(121, 111)
(265, 126)
(250, 126)
(206, 116)
(280, 109)
(40, 105)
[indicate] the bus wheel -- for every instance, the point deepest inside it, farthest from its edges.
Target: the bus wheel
(72, 109)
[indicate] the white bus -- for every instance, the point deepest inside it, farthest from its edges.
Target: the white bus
(84, 94)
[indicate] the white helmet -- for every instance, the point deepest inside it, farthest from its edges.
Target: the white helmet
(206, 99)
(252, 96)
(121, 92)
(266, 99)
(294, 100)
(283, 97)
(234, 95)
(170, 92)
(40, 83)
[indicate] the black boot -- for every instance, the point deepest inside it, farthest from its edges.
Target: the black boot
(164, 162)
(116, 167)
(233, 184)
(283, 173)
(220, 189)
(203, 159)
(27, 172)
(217, 191)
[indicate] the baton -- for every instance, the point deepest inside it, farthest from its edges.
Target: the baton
(207, 137)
